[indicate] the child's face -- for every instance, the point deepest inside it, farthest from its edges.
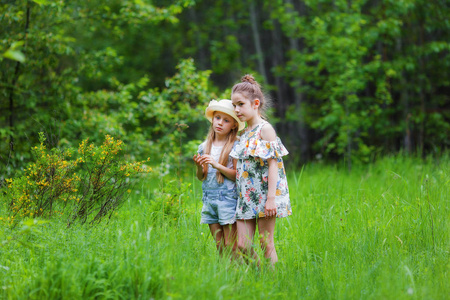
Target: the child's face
(223, 123)
(244, 108)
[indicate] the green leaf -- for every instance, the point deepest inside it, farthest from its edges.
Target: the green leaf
(14, 55)
(17, 44)
(42, 2)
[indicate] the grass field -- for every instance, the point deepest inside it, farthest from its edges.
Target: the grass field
(381, 231)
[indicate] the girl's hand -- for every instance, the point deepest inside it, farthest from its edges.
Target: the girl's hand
(196, 159)
(207, 159)
(201, 169)
(270, 209)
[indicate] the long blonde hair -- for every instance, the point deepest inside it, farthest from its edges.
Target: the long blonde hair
(223, 159)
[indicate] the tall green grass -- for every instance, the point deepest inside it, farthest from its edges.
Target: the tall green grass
(380, 231)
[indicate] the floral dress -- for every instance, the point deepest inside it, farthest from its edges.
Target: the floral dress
(252, 175)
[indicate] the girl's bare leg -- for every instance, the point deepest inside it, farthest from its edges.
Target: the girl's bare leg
(230, 238)
(266, 227)
(246, 232)
(217, 233)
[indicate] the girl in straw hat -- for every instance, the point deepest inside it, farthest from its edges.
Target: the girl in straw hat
(217, 170)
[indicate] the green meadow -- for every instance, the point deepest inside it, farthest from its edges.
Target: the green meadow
(380, 231)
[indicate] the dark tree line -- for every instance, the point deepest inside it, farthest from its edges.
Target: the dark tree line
(350, 79)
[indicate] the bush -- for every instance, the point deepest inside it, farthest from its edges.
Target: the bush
(87, 188)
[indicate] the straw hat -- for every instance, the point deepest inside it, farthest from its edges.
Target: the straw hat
(224, 106)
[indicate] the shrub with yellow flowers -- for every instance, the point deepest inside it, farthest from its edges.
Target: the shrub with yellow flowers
(84, 185)
(47, 180)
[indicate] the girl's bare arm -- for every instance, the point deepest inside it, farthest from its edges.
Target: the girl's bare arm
(270, 208)
(269, 134)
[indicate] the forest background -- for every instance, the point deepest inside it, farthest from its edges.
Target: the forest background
(348, 79)
(102, 107)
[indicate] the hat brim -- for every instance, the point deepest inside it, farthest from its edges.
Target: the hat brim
(209, 113)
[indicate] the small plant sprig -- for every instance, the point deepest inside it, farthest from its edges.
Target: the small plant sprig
(30, 227)
(85, 189)
(168, 201)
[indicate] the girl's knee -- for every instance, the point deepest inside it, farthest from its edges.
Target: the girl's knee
(227, 243)
(269, 247)
(242, 246)
(219, 245)
(267, 244)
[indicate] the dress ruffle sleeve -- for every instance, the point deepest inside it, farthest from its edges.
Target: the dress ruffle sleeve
(259, 148)
(234, 151)
(267, 149)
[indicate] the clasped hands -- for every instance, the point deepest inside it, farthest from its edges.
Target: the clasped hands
(201, 160)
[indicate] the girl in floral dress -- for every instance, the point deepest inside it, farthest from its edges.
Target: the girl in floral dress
(218, 172)
(263, 193)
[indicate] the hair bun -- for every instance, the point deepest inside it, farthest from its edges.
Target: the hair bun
(249, 78)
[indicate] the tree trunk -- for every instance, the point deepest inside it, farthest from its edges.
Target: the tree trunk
(257, 41)
(11, 89)
(404, 103)
(422, 88)
(201, 56)
(302, 132)
(348, 153)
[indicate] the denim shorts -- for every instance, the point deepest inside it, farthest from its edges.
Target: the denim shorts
(219, 206)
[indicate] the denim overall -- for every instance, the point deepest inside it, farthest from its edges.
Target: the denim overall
(219, 200)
